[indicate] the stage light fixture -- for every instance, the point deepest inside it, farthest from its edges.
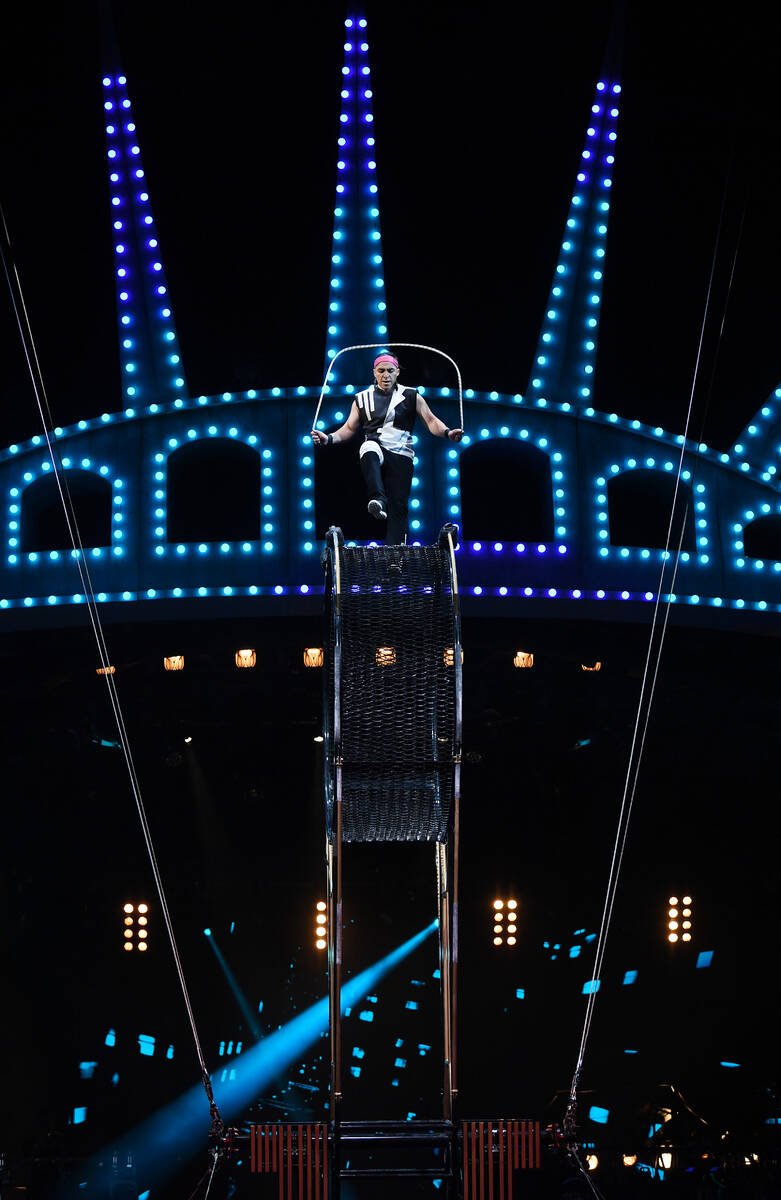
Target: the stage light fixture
(246, 658)
(523, 659)
(629, 1160)
(321, 925)
(105, 670)
(679, 919)
(449, 656)
(174, 662)
(504, 935)
(385, 656)
(592, 1161)
(135, 920)
(313, 656)
(595, 666)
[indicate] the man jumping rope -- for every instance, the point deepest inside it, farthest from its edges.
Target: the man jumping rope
(386, 413)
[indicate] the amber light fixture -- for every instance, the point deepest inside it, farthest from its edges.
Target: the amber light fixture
(523, 659)
(505, 914)
(246, 658)
(596, 666)
(174, 662)
(105, 670)
(135, 921)
(679, 919)
(385, 656)
(449, 656)
(321, 926)
(313, 656)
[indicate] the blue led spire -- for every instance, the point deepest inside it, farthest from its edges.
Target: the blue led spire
(758, 445)
(356, 308)
(150, 357)
(565, 359)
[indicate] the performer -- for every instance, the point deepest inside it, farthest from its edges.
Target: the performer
(386, 413)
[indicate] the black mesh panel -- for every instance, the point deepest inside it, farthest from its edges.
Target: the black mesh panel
(397, 693)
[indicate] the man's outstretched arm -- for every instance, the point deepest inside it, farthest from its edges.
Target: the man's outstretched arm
(433, 423)
(343, 433)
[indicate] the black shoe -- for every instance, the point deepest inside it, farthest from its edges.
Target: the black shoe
(377, 509)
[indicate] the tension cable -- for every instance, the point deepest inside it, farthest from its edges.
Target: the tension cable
(74, 533)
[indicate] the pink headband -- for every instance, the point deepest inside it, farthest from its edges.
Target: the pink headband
(386, 358)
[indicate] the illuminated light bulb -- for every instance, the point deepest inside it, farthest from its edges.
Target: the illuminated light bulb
(687, 912)
(672, 937)
(672, 925)
(497, 928)
(142, 933)
(686, 937)
(592, 1162)
(687, 900)
(511, 941)
(142, 946)
(128, 920)
(320, 918)
(498, 903)
(143, 908)
(497, 941)
(673, 912)
(128, 945)
(143, 921)
(320, 944)
(128, 908)
(128, 933)
(512, 903)
(673, 900)
(321, 906)
(512, 928)
(629, 1160)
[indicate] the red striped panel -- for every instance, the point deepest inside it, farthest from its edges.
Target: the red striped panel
(492, 1151)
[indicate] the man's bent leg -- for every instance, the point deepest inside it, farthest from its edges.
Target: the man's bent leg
(372, 458)
(397, 473)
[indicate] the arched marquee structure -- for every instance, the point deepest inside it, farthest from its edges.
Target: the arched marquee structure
(587, 530)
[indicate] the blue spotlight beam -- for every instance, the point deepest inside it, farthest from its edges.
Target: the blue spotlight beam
(165, 1141)
(233, 984)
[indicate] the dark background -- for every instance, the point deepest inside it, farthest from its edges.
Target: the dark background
(480, 120)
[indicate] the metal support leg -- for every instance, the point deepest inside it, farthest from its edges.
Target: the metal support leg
(335, 984)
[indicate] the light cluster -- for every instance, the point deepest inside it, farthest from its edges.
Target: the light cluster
(44, 469)
(267, 499)
(665, 467)
(151, 367)
(356, 304)
(321, 925)
(679, 919)
(135, 923)
(505, 928)
(566, 353)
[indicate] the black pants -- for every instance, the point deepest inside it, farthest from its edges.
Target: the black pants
(390, 481)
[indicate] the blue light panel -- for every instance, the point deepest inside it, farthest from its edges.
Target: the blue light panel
(356, 306)
(150, 356)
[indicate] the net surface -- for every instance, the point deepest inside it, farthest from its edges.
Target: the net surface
(397, 691)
